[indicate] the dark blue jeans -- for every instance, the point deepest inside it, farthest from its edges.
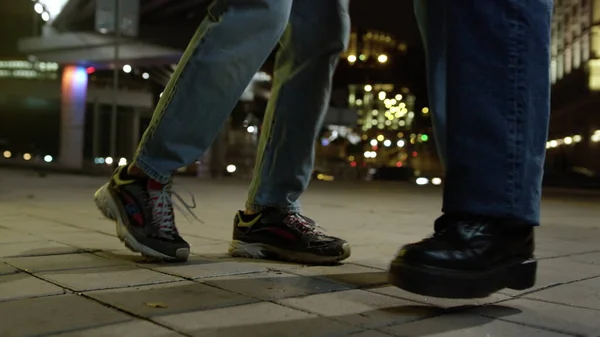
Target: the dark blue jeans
(489, 87)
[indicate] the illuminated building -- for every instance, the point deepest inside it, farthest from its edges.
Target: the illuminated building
(29, 70)
(369, 47)
(574, 140)
(382, 107)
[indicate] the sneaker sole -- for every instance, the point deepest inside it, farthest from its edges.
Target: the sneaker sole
(243, 249)
(109, 208)
(443, 283)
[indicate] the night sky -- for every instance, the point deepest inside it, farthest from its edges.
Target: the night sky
(394, 16)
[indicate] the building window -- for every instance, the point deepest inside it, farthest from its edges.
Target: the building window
(585, 47)
(560, 66)
(568, 62)
(553, 74)
(576, 54)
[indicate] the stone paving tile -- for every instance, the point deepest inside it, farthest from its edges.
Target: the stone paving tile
(11, 236)
(106, 278)
(124, 255)
(558, 271)
(90, 240)
(348, 273)
(369, 333)
(129, 329)
(170, 298)
(271, 265)
(55, 314)
(206, 246)
(200, 267)
(550, 247)
(465, 325)
(274, 285)
(438, 302)
(376, 256)
(593, 258)
(362, 308)
(23, 285)
(36, 264)
(212, 250)
(259, 319)
(6, 269)
(547, 315)
(35, 249)
(584, 294)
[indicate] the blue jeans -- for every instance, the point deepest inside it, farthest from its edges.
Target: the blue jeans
(489, 87)
(227, 50)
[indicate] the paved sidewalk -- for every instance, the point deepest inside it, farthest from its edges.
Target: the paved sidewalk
(63, 272)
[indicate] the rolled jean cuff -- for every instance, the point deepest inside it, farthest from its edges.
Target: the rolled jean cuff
(150, 171)
(256, 208)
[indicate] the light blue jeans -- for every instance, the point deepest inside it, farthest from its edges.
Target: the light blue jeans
(489, 87)
(227, 50)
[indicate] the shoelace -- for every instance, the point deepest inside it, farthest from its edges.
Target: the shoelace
(302, 224)
(162, 206)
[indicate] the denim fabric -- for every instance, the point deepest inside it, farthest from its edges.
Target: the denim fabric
(489, 84)
(227, 50)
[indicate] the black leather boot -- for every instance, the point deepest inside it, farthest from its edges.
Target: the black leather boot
(467, 257)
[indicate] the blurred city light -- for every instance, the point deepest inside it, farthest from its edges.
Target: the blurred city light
(251, 129)
(382, 58)
(422, 181)
(48, 158)
(351, 58)
(231, 168)
(370, 154)
(122, 162)
(108, 160)
(27, 156)
(145, 76)
(127, 68)
(368, 88)
(436, 181)
(7, 154)
(38, 8)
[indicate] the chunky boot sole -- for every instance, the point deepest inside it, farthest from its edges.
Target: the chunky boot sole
(447, 283)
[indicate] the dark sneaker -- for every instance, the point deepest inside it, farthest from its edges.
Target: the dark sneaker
(285, 236)
(467, 258)
(143, 211)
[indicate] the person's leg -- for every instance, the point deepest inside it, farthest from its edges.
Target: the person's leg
(432, 24)
(310, 49)
(497, 106)
(228, 48)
